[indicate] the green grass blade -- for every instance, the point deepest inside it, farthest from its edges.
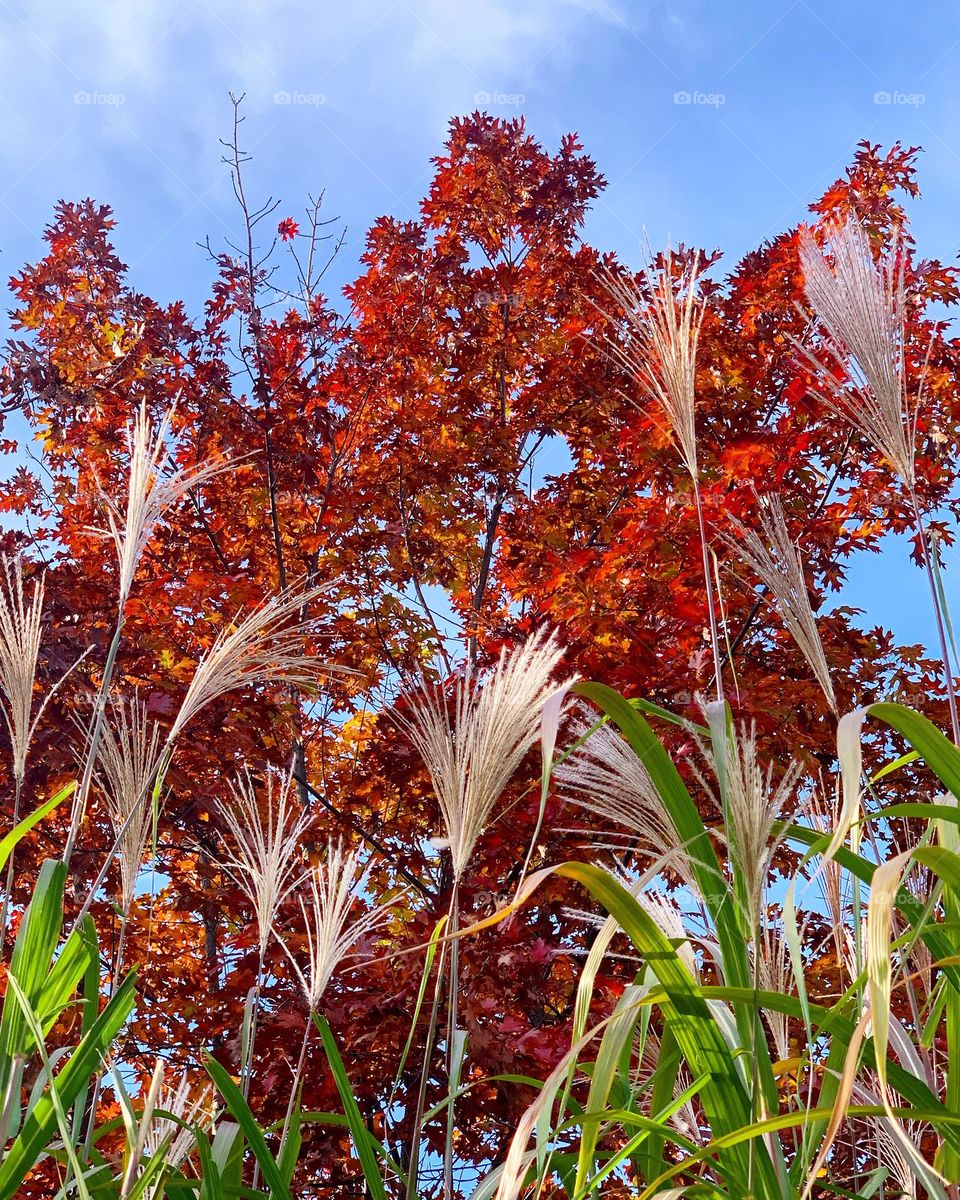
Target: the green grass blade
(240, 1111)
(359, 1131)
(40, 1124)
(654, 1128)
(292, 1143)
(53, 1092)
(687, 822)
(693, 1024)
(30, 963)
(221, 1161)
(936, 750)
(9, 842)
(774, 1125)
(72, 964)
(617, 1037)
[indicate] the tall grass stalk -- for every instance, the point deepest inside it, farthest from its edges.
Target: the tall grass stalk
(150, 493)
(265, 861)
(127, 763)
(266, 647)
(664, 317)
(21, 628)
(772, 555)
(334, 886)
(861, 305)
(471, 754)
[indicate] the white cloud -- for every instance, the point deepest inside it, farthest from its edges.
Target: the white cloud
(171, 65)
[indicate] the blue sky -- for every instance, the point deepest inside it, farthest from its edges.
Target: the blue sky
(713, 123)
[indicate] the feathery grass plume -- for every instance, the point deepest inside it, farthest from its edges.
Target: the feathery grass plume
(669, 918)
(890, 1154)
(661, 908)
(774, 972)
(605, 777)
(472, 752)
(20, 630)
(195, 1109)
(824, 816)
(266, 646)
(753, 806)
(127, 760)
(861, 306)
(265, 858)
(772, 555)
(20, 634)
(663, 321)
(685, 1119)
(471, 756)
(335, 886)
(896, 1145)
(149, 493)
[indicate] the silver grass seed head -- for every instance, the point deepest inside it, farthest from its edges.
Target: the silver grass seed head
(194, 1107)
(473, 741)
(128, 757)
(334, 888)
(20, 633)
(265, 857)
(754, 805)
(663, 325)
(772, 555)
(861, 306)
(605, 777)
(264, 647)
(150, 493)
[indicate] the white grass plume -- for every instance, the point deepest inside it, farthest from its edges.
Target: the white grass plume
(772, 555)
(896, 1145)
(605, 777)
(473, 744)
(649, 1056)
(775, 974)
(664, 912)
(266, 646)
(824, 816)
(150, 493)
(753, 806)
(128, 757)
(663, 320)
(265, 858)
(20, 632)
(861, 306)
(335, 886)
(195, 1108)
(891, 1154)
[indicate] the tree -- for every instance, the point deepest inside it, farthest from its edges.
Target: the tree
(394, 455)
